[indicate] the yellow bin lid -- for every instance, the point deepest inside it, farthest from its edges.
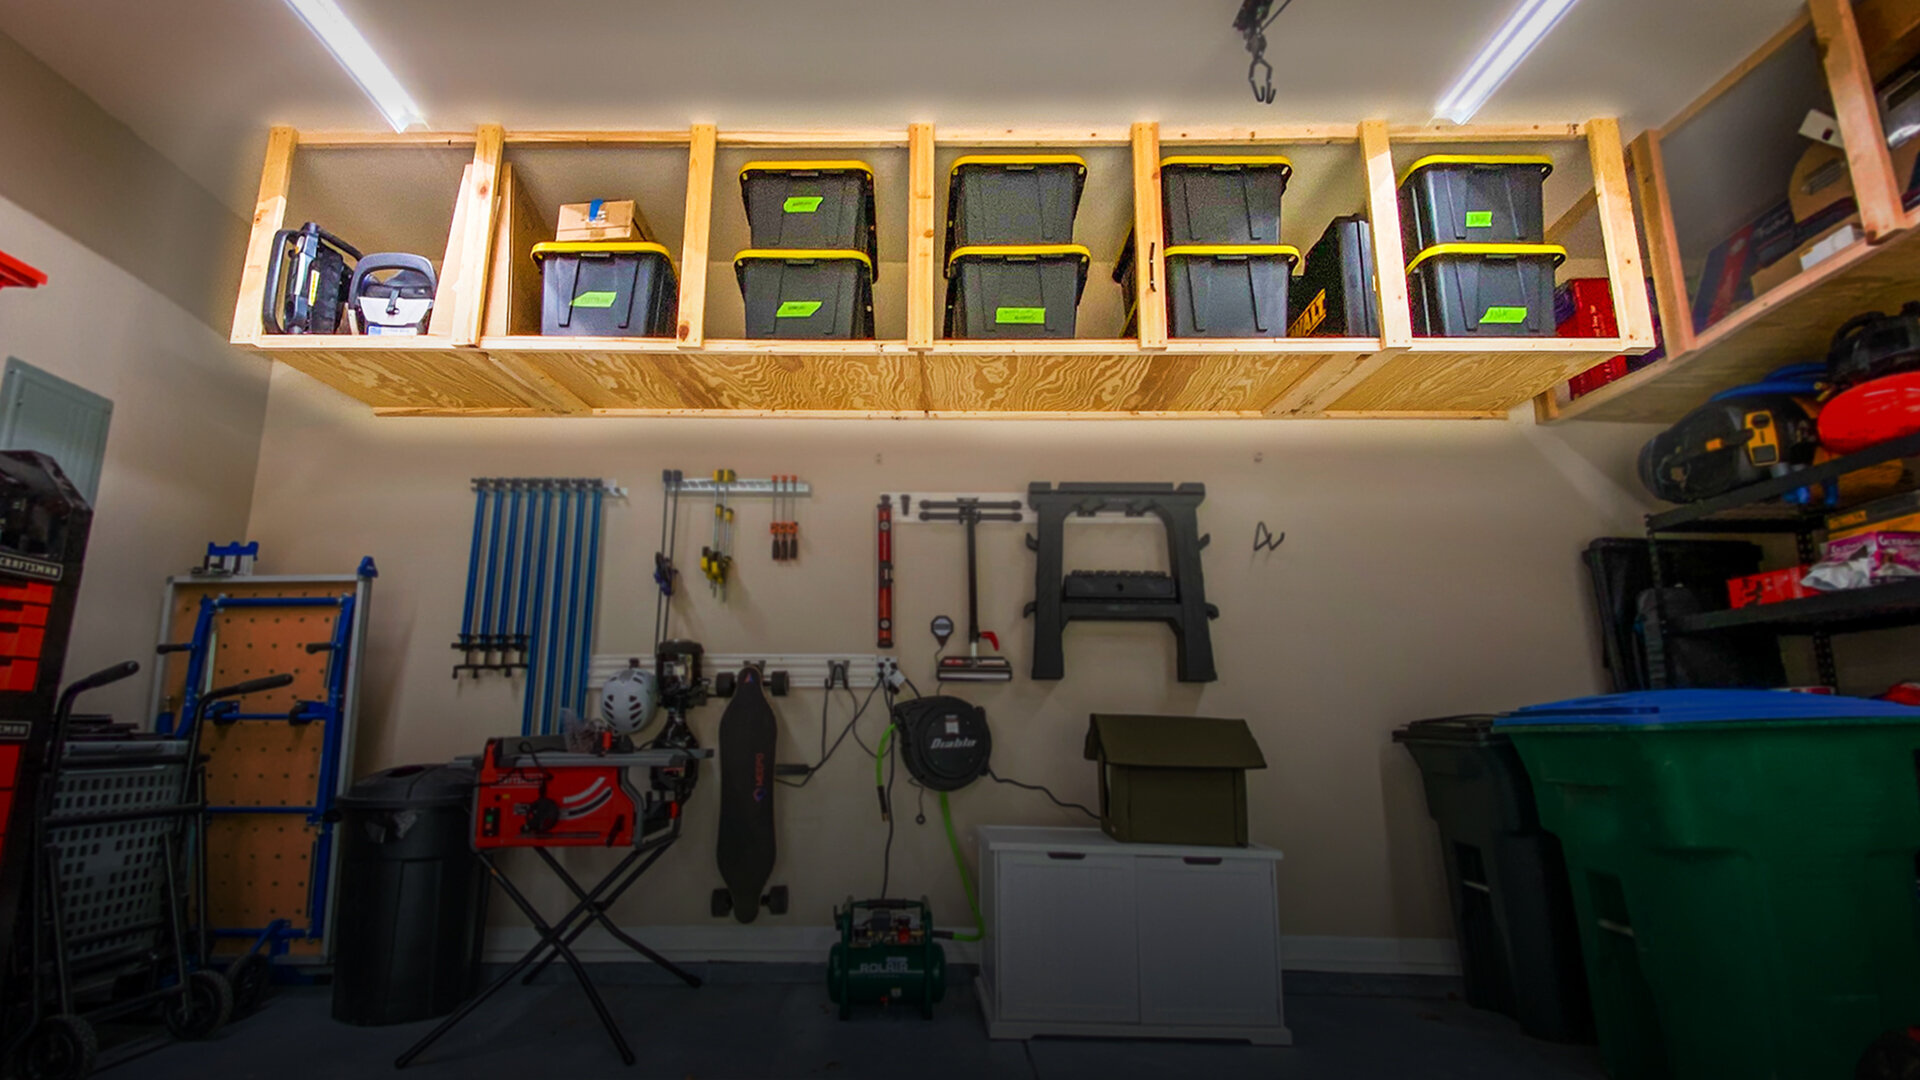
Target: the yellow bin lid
(1227, 161)
(1236, 251)
(806, 166)
(1491, 161)
(1494, 251)
(600, 247)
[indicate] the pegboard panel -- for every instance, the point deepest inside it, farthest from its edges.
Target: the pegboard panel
(250, 643)
(259, 867)
(263, 763)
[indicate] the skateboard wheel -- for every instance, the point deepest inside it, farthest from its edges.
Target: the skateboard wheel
(722, 903)
(723, 685)
(776, 900)
(777, 684)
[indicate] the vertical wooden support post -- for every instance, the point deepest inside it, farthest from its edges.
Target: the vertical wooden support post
(1663, 243)
(921, 272)
(1150, 259)
(464, 272)
(269, 217)
(692, 332)
(1614, 202)
(1389, 254)
(1875, 187)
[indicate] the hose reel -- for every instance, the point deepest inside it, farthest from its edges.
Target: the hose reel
(944, 741)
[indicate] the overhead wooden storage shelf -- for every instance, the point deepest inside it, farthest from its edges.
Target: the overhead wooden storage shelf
(1817, 61)
(485, 355)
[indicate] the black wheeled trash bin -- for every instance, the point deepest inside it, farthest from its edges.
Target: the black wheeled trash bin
(1506, 879)
(412, 896)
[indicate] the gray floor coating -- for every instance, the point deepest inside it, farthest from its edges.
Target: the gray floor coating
(753, 1024)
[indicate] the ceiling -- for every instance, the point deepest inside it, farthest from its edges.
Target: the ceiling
(201, 80)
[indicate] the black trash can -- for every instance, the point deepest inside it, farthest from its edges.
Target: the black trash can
(413, 898)
(1506, 879)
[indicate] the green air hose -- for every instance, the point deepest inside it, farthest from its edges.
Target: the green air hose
(960, 863)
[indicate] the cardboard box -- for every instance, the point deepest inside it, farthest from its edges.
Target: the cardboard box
(1896, 513)
(1173, 779)
(1807, 256)
(602, 219)
(1768, 587)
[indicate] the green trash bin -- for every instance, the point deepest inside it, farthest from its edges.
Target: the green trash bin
(1743, 871)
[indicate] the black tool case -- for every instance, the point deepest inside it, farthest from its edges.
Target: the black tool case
(1334, 294)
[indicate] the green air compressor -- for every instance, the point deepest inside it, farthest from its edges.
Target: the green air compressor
(886, 955)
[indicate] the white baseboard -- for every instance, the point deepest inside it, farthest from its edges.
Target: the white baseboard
(730, 942)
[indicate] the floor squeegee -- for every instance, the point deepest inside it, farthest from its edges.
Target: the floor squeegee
(972, 667)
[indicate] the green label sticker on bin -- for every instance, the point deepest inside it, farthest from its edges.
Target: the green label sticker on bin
(797, 309)
(595, 299)
(1505, 315)
(802, 204)
(1024, 315)
(1479, 219)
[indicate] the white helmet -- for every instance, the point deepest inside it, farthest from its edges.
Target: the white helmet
(628, 700)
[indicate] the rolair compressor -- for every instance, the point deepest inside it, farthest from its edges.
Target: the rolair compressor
(886, 955)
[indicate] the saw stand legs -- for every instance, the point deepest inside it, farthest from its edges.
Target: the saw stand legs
(556, 939)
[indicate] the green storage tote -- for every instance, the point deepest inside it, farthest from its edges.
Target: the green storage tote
(1015, 291)
(1743, 872)
(803, 295)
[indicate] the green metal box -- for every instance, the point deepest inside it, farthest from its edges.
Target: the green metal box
(1173, 779)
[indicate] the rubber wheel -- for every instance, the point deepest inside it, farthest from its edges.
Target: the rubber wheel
(777, 684)
(251, 977)
(197, 1013)
(723, 685)
(776, 900)
(722, 904)
(58, 1048)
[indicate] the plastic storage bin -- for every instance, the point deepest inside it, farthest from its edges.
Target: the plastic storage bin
(1129, 294)
(1015, 291)
(812, 205)
(1333, 296)
(606, 288)
(1229, 291)
(1742, 866)
(413, 898)
(1484, 290)
(806, 294)
(1506, 878)
(1473, 199)
(1223, 199)
(1013, 199)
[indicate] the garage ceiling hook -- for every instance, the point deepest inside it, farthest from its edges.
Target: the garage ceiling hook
(1252, 22)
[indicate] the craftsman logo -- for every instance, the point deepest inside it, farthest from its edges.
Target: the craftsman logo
(1479, 219)
(1310, 317)
(801, 204)
(15, 730)
(1026, 316)
(1504, 315)
(760, 789)
(595, 299)
(37, 568)
(951, 744)
(797, 309)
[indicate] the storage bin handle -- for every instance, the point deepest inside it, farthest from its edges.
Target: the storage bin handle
(1201, 860)
(1066, 854)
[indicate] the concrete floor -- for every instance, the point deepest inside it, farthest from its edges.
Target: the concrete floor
(746, 1023)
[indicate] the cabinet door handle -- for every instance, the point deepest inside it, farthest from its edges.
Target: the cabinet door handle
(1201, 860)
(1066, 854)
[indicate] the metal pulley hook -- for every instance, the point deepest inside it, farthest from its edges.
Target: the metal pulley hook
(1252, 22)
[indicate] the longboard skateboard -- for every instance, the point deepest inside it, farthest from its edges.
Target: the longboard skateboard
(746, 849)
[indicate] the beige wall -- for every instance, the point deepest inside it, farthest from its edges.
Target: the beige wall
(187, 414)
(1429, 568)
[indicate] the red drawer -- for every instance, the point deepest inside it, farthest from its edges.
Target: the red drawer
(19, 675)
(9, 765)
(19, 614)
(29, 592)
(23, 642)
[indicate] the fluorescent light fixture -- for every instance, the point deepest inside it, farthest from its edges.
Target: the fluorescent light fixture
(1516, 37)
(344, 41)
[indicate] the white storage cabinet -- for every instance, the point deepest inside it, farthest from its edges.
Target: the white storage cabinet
(1089, 936)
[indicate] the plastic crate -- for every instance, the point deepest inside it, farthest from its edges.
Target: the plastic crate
(1506, 878)
(1484, 290)
(1477, 199)
(606, 288)
(1229, 291)
(806, 294)
(812, 205)
(1233, 199)
(1742, 865)
(1015, 291)
(1334, 296)
(1024, 199)
(1129, 294)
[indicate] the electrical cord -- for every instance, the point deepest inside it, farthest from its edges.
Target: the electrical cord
(828, 752)
(1042, 789)
(886, 854)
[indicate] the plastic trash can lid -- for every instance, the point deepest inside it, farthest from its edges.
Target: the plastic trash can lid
(1497, 251)
(1648, 708)
(1471, 727)
(412, 787)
